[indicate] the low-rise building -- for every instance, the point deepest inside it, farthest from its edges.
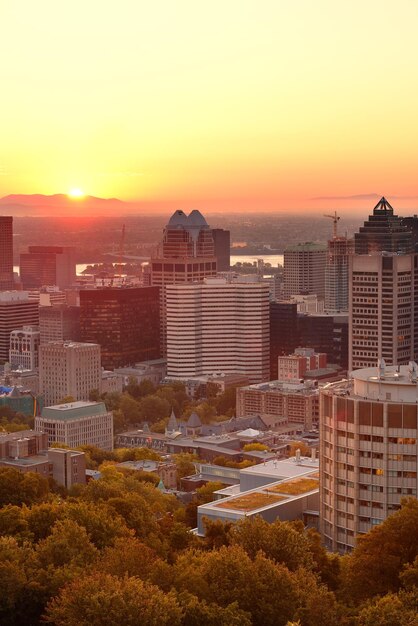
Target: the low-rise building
(166, 470)
(21, 400)
(280, 402)
(77, 424)
(154, 371)
(295, 366)
(111, 382)
(24, 344)
(27, 451)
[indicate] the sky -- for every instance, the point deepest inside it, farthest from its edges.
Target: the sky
(227, 105)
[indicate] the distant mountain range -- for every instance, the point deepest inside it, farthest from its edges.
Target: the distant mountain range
(37, 205)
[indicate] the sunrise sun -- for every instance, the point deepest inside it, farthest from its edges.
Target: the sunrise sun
(76, 193)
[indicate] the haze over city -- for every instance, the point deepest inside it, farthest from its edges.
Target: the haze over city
(278, 106)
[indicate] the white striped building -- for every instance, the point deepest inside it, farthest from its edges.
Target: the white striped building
(218, 326)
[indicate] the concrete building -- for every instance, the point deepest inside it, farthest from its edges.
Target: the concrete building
(27, 380)
(295, 366)
(48, 265)
(284, 490)
(77, 424)
(27, 451)
(280, 402)
(383, 310)
(16, 311)
(24, 345)
(111, 382)
(384, 232)
(304, 269)
(368, 450)
(124, 321)
(166, 470)
(337, 273)
(6, 253)
(68, 369)
(59, 322)
(218, 326)
(154, 371)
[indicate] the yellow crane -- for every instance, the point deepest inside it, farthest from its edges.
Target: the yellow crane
(335, 219)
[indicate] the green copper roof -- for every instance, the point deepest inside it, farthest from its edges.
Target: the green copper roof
(74, 410)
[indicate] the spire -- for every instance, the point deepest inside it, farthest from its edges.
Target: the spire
(172, 425)
(383, 206)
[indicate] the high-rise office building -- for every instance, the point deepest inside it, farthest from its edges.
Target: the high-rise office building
(6, 252)
(336, 273)
(16, 311)
(186, 255)
(218, 326)
(304, 269)
(68, 368)
(383, 232)
(368, 451)
(325, 332)
(124, 321)
(383, 309)
(284, 336)
(24, 345)
(222, 241)
(59, 322)
(48, 265)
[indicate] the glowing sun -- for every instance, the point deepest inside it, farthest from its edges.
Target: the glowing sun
(76, 193)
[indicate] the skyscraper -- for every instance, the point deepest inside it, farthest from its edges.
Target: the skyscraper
(125, 321)
(59, 322)
(6, 252)
(186, 255)
(336, 273)
(68, 368)
(383, 320)
(304, 269)
(16, 311)
(383, 232)
(218, 326)
(48, 265)
(222, 241)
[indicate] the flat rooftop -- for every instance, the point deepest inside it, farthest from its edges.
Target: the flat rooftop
(286, 468)
(74, 410)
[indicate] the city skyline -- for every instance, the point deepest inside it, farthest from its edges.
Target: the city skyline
(237, 106)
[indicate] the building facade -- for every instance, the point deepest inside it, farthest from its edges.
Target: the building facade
(337, 273)
(368, 450)
(280, 402)
(295, 366)
(383, 309)
(124, 321)
(77, 424)
(6, 253)
(304, 269)
(16, 311)
(222, 243)
(24, 346)
(59, 322)
(48, 265)
(284, 334)
(218, 326)
(68, 368)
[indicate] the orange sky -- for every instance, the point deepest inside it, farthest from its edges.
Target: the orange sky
(236, 104)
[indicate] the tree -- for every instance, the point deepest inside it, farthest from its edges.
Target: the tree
(226, 402)
(94, 395)
(391, 610)
(260, 447)
(130, 409)
(185, 464)
(196, 612)
(128, 557)
(101, 599)
(21, 488)
(376, 563)
(152, 408)
(66, 400)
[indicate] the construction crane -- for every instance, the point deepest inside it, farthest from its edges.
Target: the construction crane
(121, 250)
(335, 219)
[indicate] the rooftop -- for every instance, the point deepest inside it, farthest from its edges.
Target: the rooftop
(74, 410)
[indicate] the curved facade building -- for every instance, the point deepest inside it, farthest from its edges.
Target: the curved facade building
(368, 453)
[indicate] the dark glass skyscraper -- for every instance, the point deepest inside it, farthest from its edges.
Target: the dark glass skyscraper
(383, 232)
(6, 252)
(125, 321)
